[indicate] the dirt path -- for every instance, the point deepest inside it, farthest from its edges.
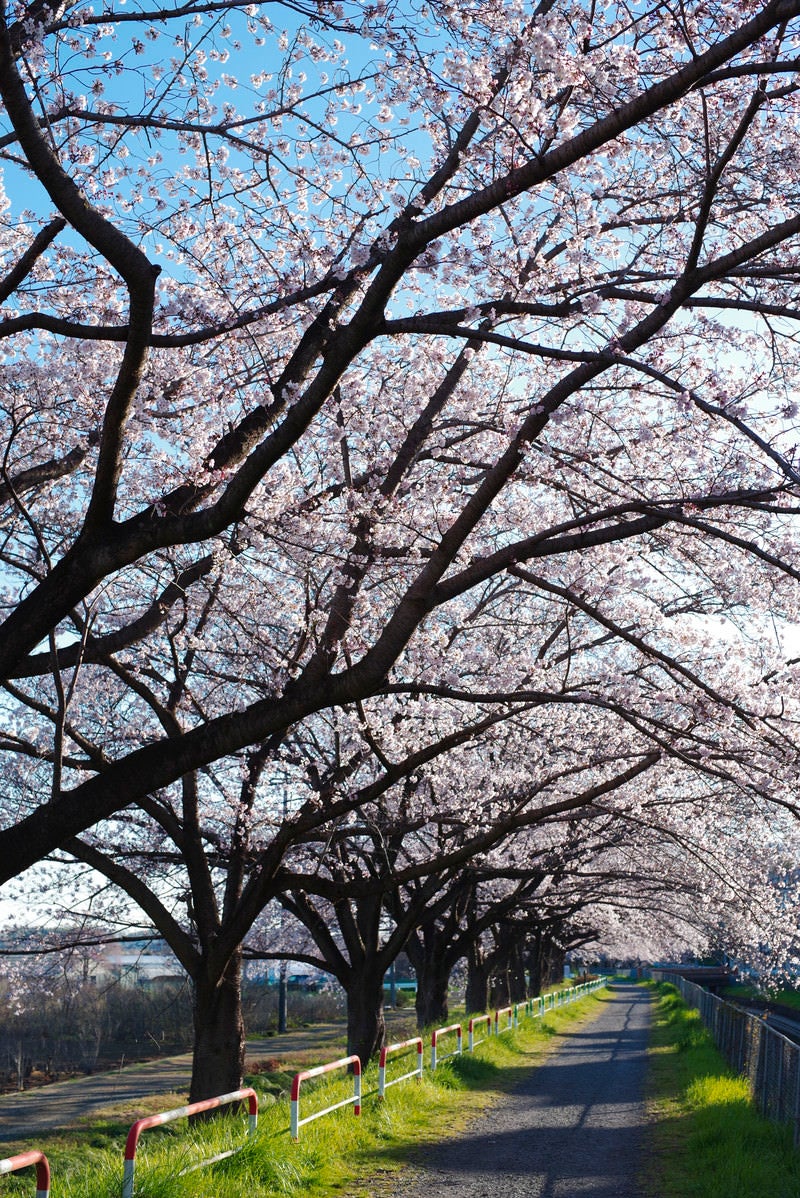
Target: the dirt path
(574, 1128)
(64, 1103)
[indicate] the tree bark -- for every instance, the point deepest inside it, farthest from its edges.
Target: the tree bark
(366, 1026)
(477, 993)
(545, 960)
(498, 991)
(517, 982)
(538, 961)
(431, 1004)
(556, 964)
(218, 1056)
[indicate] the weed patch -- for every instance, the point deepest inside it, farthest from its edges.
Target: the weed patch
(707, 1138)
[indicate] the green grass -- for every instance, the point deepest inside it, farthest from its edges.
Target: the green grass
(741, 991)
(336, 1154)
(708, 1140)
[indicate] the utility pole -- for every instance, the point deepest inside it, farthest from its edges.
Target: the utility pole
(283, 995)
(283, 988)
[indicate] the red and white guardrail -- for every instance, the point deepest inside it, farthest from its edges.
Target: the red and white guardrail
(503, 1013)
(383, 1085)
(22, 1160)
(473, 1023)
(183, 1112)
(443, 1031)
(355, 1101)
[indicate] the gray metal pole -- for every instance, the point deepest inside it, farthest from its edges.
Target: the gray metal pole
(283, 995)
(283, 990)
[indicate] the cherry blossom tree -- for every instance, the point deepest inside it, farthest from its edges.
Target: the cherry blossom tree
(411, 317)
(203, 869)
(380, 376)
(377, 858)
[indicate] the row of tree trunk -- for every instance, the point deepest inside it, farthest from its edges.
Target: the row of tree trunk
(512, 970)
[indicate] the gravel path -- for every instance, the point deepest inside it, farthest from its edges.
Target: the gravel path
(574, 1128)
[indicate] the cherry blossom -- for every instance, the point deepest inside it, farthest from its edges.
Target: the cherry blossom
(398, 420)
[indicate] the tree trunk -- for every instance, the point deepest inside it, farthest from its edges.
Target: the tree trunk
(556, 964)
(477, 993)
(518, 986)
(429, 956)
(431, 1004)
(539, 962)
(498, 989)
(366, 1027)
(218, 1058)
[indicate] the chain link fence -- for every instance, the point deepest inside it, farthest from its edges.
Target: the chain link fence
(769, 1061)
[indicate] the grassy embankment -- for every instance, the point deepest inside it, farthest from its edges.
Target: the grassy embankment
(336, 1154)
(708, 1141)
(741, 992)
